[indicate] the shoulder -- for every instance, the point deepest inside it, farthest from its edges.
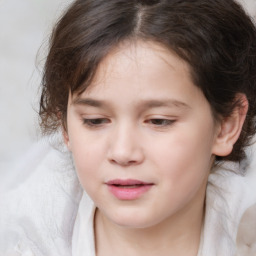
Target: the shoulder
(246, 233)
(230, 218)
(39, 200)
(246, 236)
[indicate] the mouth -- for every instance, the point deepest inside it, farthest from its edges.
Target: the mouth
(127, 186)
(128, 189)
(127, 183)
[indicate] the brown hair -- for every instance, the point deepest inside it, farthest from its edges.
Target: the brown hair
(215, 37)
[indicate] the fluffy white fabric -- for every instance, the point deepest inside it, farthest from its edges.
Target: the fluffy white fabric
(39, 203)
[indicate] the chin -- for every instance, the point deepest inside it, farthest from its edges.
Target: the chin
(133, 220)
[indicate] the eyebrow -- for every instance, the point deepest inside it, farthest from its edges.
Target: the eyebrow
(164, 103)
(145, 104)
(89, 102)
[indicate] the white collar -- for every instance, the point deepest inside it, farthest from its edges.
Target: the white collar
(83, 233)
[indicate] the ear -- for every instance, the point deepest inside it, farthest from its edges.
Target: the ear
(66, 138)
(230, 128)
(64, 130)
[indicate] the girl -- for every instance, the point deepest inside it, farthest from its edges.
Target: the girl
(156, 103)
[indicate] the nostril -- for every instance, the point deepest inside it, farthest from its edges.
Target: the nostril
(124, 162)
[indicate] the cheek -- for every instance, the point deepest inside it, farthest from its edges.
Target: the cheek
(86, 170)
(88, 154)
(184, 174)
(84, 156)
(185, 159)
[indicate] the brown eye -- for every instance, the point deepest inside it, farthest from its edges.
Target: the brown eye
(160, 122)
(95, 121)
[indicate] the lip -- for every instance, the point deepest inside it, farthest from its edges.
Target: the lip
(128, 189)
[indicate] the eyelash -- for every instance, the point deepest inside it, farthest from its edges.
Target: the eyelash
(94, 122)
(97, 122)
(160, 122)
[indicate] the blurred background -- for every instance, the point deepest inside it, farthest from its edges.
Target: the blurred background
(25, 26)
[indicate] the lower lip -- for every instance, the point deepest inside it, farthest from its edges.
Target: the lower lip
(126, 193)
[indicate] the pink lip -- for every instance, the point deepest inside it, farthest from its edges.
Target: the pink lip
(128, 189)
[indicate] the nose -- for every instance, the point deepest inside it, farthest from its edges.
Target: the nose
(125, 147)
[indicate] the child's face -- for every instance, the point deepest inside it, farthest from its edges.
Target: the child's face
(142, 137)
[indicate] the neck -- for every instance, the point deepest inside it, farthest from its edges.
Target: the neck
(179, 234)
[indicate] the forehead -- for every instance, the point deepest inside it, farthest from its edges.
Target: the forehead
(136, 62)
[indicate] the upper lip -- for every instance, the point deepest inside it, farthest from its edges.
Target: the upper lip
(127, 182)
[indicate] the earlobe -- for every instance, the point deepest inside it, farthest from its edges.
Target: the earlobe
(230, 128)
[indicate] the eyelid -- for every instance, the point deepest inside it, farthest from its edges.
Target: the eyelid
(161, 121)
(95, 122)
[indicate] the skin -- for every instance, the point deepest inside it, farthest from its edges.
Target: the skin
(143, 118)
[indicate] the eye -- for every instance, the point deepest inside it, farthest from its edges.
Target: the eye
(160, 122)
(95, 122)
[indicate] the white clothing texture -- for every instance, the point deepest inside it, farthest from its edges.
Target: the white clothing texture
(38, 204)
(45, 213)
